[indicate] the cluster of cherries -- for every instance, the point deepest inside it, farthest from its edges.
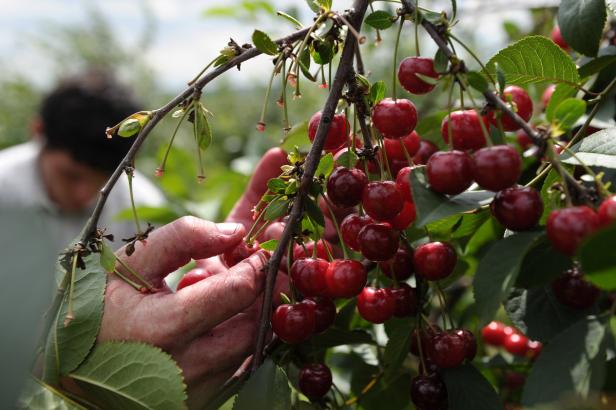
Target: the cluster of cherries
(498, 334)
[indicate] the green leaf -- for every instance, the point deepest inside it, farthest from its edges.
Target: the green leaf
(581, 24)
(487, 233)
(155, 214)
(107, 257)
(573, 362)
(377, 92)
(40, 396)
(534, 59)
(541, 265)
(429, 128)
(397, 348)
(297, 136)
(549, 197)
(326, 166)
(130, 375)
(431, 206)
(322, 52)
(440, 61)
(498, 271)
(269, 245)
(314, 212)
(599, 259)
(264, 43)
(334, 336)
(201, 127)
(290, 18)
(467, 389)
(347, 159)
(598, 149)
(277, 208)
(276, 185)
(561, 93)
(606, 57)
(314, 6)
(477, 81)
(304, 64)
(380, 20)
(268, 388)
(67, 346)
(566, 114)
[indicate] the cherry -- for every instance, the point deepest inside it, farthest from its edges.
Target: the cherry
(470, 343)
(450, 172)
(466, 130)
(494, 333)
(395, 165)
(193, 276)
(547, 95)
(315, 380)
(339, 212)
(273, 231)
(293, 323)
(403, 183)
(405, 299)
(400, 266)
(514, 380)
(376, 305)
(394, 118)
(345, 186)
(434, 260)
(517, 208)
(534, 349)
(497, 167)
(324, 312)
(350, 227)
(607, 211)
(447, 349)
(395, 149)
(382, 200)
(239, 253)
(522, 105)
(308, 275)
(429, 392)
(426, 150)
(523, 140)
(307, 250)
(406, 217)
(558, 38)
(407, 74)
(337, 133)
(425, 335)
(572, 290)
(567, 228)
(345, 278)
(378, 241)
(516, 344)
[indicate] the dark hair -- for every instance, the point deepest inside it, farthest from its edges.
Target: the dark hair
(76, 113)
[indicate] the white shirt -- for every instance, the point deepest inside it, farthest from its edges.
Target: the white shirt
(21, 186)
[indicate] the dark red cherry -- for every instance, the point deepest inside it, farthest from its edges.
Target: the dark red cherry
(239, 253)
(337, 134)
(408, 70)
(497, 167)
(395, 149)
(520, 102)
(345, 278)
(350, 227)
(466, 130)
(429, 392)
(307, 250)
(558, 39)
(567, 227)
(308, 276)
(494, 333)
(193, 276)
(470, 343)
(293, 323)
(516, 344)
(447, 350)
(403, 183)
(375, 305)
(400, 266)
(572, 290)
(547, 95)
(394, 118)
(425, 335)
(405, 218)
(523, 140)
(315, 380)
(450, 172)
(426, 150)
(378, 241)
(517, 208)
(382, 200)
(405, 298)
(324, 312)
(345, 186)
(434, 260)
(607, 211)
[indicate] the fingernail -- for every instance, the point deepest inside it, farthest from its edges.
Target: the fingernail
(228, 228)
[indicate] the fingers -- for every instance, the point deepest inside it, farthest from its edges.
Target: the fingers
(267, 168)
(174, 245)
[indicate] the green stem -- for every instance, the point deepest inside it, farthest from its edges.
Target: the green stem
(394, 76)
(69, 313)
(129, 174)
(285, 124)
(127, 280)
(175, 131)
(268, 92)
(417, 52)
(345, 252)
(477, 59)
(135, 274)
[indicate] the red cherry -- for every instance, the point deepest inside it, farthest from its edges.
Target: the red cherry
(239, 253)
(466, 130)
(470, 343)
(516, 344)
(308, 276)
(293, 323)
(426, 150)
(345, 186)
(315, 380)
(523, 140)
(547, 95)
(517, 208)
(450, 172)
(395, 148)
(394, 118)
(408, 70)
(447, 350)
(497, 167)
(345, 278)
(572, 290)
(534, 349)
(406, 217)
(378, 242)
(607, 211)
(405, 298)
(375, 305)
(337, 133)
(558, 39)
(429, 392)
(425, 335)
(403, 183)
(493, 333)
(382, 200)
(299, 252)
(567, 228)
(434, 260)
(350, 227)
(273, 231)
(193, 276)
(400, 266)
(522, 105)
(324, 312)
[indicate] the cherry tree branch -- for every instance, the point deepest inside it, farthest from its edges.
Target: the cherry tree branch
(345, 68)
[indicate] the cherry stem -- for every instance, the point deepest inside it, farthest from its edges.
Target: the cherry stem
(394, 76)
(129, 174)
(345, 252)
(135, 274)
(474, 56)
(175, 131)
(416, 18)
(135, 285)
(406, 154)
(69, 311)
(269, 90)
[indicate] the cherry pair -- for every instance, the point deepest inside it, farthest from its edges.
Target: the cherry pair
(378, 305)
(294, 323)
(341, 278)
